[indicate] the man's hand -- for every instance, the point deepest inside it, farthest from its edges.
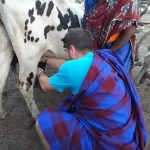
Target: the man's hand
(43, 59)
(54, 62)
(39, 70)
(43, 79)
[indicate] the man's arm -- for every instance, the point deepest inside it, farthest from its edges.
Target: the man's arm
(124, 36)
(43, 79)
(54, 62)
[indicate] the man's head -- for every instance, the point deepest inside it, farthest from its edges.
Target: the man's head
(78, 42)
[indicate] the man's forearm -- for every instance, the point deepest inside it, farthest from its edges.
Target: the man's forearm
(54, 62)
(123, 38)
(42, 80)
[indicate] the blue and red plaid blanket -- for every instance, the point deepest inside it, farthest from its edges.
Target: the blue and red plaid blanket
(105, 115)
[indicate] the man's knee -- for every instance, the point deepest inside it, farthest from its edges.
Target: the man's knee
(37, 126)
(39, 130)
(46, 145)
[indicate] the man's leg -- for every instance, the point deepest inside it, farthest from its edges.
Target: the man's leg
(45, 143)
(61, 130)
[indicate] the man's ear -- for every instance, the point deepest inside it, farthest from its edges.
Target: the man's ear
(72, 49)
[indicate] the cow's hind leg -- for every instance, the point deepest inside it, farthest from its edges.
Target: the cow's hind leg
(4, 70)
(5, 60)
(27, 76)
(6, 55)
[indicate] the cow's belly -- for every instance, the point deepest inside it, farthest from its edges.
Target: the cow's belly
(52, 53)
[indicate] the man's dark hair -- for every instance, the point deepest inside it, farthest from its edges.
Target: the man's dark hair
(80, 38)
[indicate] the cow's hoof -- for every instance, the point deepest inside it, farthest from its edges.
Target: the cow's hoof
(32, 123)
(3, 115)
(34, 120)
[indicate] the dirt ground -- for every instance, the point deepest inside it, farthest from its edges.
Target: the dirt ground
(15, 130)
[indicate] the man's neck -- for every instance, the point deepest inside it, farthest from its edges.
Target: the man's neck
(82, 54)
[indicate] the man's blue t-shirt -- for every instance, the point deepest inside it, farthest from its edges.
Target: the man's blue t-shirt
(71, 74)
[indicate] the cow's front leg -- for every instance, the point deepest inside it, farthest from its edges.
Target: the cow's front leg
(26, 81)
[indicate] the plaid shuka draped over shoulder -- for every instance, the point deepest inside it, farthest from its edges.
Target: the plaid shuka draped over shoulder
(102, 87)
(110, 17)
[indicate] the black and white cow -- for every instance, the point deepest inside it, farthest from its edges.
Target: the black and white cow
(34, 27)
